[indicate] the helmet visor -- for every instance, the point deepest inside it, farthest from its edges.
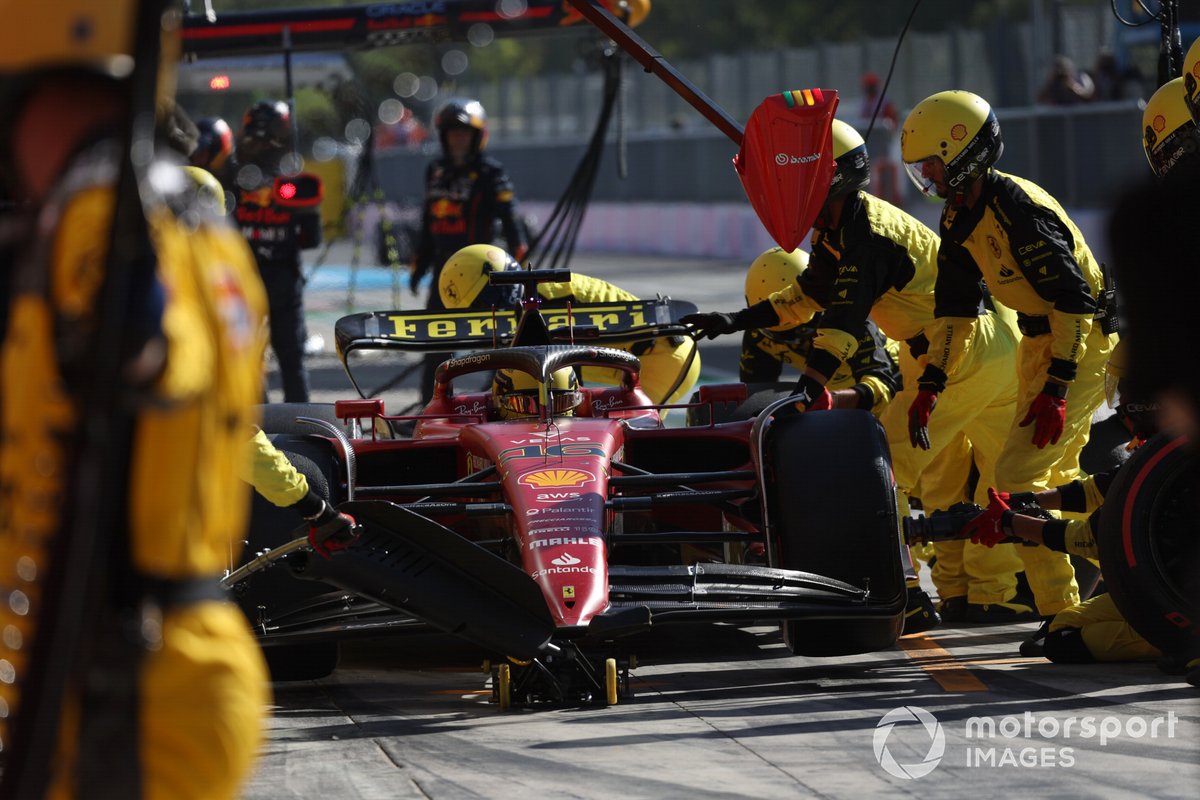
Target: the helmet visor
(524, 403)
(925, 175)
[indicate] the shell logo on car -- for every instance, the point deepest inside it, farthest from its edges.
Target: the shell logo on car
(546, 478)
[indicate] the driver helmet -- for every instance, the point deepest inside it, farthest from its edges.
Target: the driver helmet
(852, 165)
(1137, 415)
(463, 281)
(773, 271)
(517, 394)
(265, 135)
(959, 129)
(1169, 134)
(214, 145)
(461, 112)
(1191, 80)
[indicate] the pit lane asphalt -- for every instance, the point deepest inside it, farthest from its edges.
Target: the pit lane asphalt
(721, 711)
(717, 710)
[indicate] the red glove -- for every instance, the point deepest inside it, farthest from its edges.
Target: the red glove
(989, 527)
(331, 531)
(918, 418)
(1049, 411)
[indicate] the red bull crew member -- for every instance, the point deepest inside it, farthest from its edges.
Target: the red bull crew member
(1007, 234)
(670, 365)
(869, 258)
(467, 194)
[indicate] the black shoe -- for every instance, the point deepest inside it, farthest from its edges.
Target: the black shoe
(1035, 645)
(953, 609)
(919, 613)
(999, 613)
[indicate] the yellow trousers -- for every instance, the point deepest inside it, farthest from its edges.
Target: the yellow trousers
(1106, 634)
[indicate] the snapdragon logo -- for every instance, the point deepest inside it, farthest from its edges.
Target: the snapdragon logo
(919, 730)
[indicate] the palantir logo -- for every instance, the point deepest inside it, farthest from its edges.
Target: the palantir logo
(932, 738)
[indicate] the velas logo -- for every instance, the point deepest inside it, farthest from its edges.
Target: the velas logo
(909, 729)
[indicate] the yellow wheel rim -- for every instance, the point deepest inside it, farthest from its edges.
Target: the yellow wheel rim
(610, 681)
(504, 686)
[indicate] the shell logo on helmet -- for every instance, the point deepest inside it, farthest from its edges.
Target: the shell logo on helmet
(958, 132)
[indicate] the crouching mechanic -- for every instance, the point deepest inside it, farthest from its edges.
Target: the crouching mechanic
(670, 365)
(868, 380)
(870, 259)
(1093, 630)
(189, 690)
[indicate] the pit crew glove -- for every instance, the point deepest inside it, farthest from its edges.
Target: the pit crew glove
(994, 524)
(1048, 412)
(329, 530)
(811, 395)
(918, 418)
(717, 323)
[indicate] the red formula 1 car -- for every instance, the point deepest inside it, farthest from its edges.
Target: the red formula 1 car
(548, 538)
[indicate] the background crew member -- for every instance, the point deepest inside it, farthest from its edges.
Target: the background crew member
(276, 233)
(466, 195)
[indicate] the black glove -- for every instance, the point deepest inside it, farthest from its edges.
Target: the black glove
(717, 323)
(711, 325)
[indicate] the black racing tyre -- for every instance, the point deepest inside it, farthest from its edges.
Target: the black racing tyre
(301, 662)
(275, 591)
(1150, 544)
(758, 397)
(281, 417)
(833, 509)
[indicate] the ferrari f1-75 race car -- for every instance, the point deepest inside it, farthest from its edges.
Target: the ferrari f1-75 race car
(545, 539)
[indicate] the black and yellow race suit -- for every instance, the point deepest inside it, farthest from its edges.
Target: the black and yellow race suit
(462, 206)
(872, 372)
(202, 690)
(1019, 242)
(883, 263)
(670, 365)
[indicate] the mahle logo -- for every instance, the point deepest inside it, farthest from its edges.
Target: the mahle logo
(928, 736)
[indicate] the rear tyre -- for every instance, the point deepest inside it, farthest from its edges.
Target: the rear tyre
(834, 511)
(1150, 547)
(281, 417)
(301, 662)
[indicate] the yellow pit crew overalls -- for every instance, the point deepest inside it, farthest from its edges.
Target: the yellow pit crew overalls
(1033, 259)
(203, 689)
(670, 365)
(882, 262)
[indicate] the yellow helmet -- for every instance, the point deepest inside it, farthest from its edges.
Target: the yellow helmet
(852, 165)
(771, 272)
(517, 394)
(959, 129)
(465, 274)
(1191, 80)
(1168, 131)
(208, 189)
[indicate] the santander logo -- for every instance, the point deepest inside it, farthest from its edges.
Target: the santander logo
(565, 560)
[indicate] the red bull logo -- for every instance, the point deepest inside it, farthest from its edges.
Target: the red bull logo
(443, 208)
